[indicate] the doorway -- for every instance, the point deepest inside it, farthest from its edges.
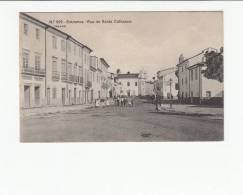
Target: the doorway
(26, 96)
(63, 96)
(37, 95)
(48, 93)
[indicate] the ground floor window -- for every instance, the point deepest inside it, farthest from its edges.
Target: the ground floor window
(26, 96)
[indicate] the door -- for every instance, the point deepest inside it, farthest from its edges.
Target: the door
(69, 97)
(26, 96)
(48, 94)
(63, 96)
(75, 95)
(37, 96)
(92, 95)
(79, 97)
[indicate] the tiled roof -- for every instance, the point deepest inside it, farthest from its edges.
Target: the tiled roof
(130, 75)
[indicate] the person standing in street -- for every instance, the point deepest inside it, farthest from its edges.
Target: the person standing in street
(157, 91)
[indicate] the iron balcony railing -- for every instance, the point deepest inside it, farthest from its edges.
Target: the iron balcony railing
(33, 71)
(55, 75)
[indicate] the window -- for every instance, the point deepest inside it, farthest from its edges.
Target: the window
(128, 83)
(196, 74)
(80, 51)
(26, 59)
(74, 50)
(37, 62)
(69, 68)
(136, 83)
(37, 95)
(192, 74)
(37, 34)
(208, 94)
(54, 93)
(191, 93)
(186, 80)
(75, 69)
(182, 69)
(85, 59)
(54, 42)
(26, 28)
(63, 68)
(54, 64)
(69, 47)
(182, 81)
(63, 47)
(81, 71)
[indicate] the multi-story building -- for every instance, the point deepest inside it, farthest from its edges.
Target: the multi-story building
(95, 78)
(56, 69)
(193, 85)
(149, 88)
(32, 59)
(168, 81)
(104, 78)
(132, 84)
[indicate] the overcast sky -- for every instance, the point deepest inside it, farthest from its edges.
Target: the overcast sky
(153, 41)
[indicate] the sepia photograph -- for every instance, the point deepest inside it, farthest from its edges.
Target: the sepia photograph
(134, 76)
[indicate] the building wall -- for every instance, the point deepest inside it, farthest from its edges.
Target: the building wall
(32, 47)
(141, 86)
(183, 80)
(149, 88)
(166, 86)
(132, 88)
(65, 65)
(194, 77)
(195, 86)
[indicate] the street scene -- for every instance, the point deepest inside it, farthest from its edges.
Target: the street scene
(131, 124)
(100, 77)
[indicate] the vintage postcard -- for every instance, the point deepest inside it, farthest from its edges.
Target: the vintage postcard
(121, 76)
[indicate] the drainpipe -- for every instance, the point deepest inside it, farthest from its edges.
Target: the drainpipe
(45, 65)
(189, 95)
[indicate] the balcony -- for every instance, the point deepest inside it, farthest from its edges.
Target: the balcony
(40, 72)
(64, 76)
(32, 71)
(55, 75)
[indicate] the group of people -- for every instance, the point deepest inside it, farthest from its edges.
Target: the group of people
(102, 102)
(125, 101)
(120, 101)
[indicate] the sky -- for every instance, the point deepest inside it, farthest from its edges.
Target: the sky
(151, 41)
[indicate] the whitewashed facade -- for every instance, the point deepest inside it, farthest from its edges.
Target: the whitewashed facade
(193, 86)
(168, 81)
(55, 68)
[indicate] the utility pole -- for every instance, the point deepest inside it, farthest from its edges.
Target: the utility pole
(170, 93)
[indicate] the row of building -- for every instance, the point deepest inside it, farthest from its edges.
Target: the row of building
(57, 69)
(186, 81)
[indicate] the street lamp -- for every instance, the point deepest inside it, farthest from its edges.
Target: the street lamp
(170, 93)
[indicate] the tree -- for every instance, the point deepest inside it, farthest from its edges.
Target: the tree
(214, 62)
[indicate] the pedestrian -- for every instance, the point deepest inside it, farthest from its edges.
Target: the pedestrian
(97, 103)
